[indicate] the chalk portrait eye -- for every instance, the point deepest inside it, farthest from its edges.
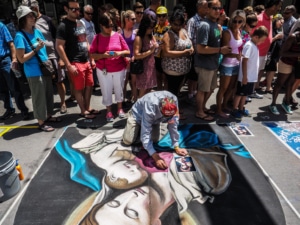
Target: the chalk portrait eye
(114, 204)
(131, 213)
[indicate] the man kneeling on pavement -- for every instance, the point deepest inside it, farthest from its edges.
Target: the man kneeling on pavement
(144, 123)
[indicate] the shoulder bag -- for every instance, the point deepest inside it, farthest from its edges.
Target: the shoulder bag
(46, 66)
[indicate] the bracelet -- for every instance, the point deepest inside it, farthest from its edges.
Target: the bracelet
(34, 51)
(176, 148)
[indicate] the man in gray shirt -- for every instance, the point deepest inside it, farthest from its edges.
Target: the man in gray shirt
(207, 57)
(289, 20)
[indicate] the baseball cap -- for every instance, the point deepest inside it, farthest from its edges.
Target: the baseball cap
(168, 107)
(162, 10)
(23, 11)
(30, 3)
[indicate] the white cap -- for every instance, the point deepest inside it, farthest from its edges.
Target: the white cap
(23, 11)
(30, 3)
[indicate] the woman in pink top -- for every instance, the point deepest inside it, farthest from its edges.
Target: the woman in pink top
(230, 64)
(108, 49)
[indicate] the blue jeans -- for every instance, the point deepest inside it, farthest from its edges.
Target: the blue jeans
(9, 86)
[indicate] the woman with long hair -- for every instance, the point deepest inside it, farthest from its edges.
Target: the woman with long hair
(229, 67)
(128, 32)
(143, 49)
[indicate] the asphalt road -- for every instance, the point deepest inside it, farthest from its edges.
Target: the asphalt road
(280, 165)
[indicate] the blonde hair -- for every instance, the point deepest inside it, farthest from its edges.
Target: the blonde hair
(125, 14)
(235, 14)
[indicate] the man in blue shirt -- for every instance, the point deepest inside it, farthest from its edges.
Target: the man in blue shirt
(8, 82)
(144, 119)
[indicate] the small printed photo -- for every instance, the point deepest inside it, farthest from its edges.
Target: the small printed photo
(241, 130)
(184, 164)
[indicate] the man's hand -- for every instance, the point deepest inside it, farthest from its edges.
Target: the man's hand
(159, 162)
(181, 151)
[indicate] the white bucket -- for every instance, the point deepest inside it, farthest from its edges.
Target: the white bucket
(9, 177)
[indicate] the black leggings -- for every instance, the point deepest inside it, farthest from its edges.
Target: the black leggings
(174, 83)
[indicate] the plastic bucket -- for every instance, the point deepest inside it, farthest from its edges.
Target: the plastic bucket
(9, 177)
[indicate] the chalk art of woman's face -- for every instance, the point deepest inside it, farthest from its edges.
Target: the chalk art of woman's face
(126, 169)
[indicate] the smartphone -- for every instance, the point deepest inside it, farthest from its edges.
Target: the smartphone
(111, 52)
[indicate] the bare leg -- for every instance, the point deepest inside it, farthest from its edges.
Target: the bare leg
(87, 97)
(224, 83)
(281, 79)
(270, 76)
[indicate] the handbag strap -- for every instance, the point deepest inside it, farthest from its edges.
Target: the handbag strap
(31, 46)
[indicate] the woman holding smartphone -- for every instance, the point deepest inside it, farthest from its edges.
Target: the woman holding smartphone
(109, 49)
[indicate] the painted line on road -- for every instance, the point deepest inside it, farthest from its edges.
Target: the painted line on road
(5, 129)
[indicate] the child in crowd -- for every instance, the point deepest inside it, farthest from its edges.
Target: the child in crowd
(248, 72)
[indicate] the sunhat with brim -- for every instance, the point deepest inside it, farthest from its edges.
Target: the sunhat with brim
(24, 11)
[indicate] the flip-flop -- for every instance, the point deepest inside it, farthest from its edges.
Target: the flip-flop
(46, 128)
(223, 115)
(209, 111)
(205, 118)
(87, 116)
(94, 111)
(53, 119)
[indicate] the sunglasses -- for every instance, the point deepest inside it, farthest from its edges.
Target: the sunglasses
(109, 26)
(74, 9)
(286, 13)
(252, 26)
(237, 21)
(216, 8)
(139, 13)
(132, 19)
(161, 15)
(87, 13)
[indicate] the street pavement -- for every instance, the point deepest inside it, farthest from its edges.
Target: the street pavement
(31, 146)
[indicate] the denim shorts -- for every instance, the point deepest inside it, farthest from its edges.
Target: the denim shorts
(229, 70)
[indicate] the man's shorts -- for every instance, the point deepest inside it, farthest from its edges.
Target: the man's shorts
(229, 70)
(284, 68)
(59, 72)
(244, 90)
(262, 62)
(207, 79)
(84, 78)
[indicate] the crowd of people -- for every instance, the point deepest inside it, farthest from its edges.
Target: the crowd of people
(205, 50)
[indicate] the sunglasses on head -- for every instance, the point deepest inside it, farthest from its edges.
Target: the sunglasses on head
(237, 21)
(90, 14)
(74, 9)
(161, 15)
(216, 8)
(139, 13)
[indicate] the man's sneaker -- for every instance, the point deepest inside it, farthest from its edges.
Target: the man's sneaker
(8, 113)
(274, 109)
(245, 112)
(255, 95)
(236, 114)
(121, 113)
(109, 117)
(286, 108)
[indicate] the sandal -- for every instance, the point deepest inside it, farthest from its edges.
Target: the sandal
(88, 116)
(46, 128)
(53, 119)
(205, 118)
(94, 111)
(209, 111)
